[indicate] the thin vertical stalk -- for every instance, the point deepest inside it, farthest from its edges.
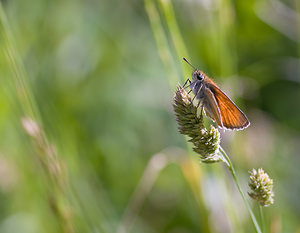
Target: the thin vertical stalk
(30, 119)
(19, 75)
(161, 42)
(176, 37)
(233, 173)
(228, 202)
(262, 218)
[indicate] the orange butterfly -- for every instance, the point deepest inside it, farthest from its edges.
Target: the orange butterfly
(217, 105)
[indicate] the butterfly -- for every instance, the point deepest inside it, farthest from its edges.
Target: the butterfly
(216, 104)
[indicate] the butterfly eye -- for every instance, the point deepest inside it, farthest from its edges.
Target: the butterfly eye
(200, 76)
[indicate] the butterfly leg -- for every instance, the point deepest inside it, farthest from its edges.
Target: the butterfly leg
(193, 99)
(201, 113)
(196, 95)
(200, 104)
(186, 82)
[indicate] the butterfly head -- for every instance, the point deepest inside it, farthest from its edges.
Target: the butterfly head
(197, 75)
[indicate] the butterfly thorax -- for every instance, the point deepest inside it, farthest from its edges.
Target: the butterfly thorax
(198, 84)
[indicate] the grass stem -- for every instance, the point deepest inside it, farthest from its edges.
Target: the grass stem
(232, 170)
(161, 42)
(262, 219)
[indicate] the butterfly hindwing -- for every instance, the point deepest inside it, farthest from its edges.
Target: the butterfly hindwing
(211, 106)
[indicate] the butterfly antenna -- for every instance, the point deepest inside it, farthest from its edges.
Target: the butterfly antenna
(189, 63)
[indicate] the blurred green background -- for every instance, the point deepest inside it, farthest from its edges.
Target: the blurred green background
(92, 84)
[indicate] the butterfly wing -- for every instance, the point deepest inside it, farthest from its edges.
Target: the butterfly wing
(232, 117)
(211, 106)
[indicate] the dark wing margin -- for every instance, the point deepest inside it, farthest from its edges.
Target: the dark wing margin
(232, 116)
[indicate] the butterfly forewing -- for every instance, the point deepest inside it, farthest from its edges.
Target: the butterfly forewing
(232, 116)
